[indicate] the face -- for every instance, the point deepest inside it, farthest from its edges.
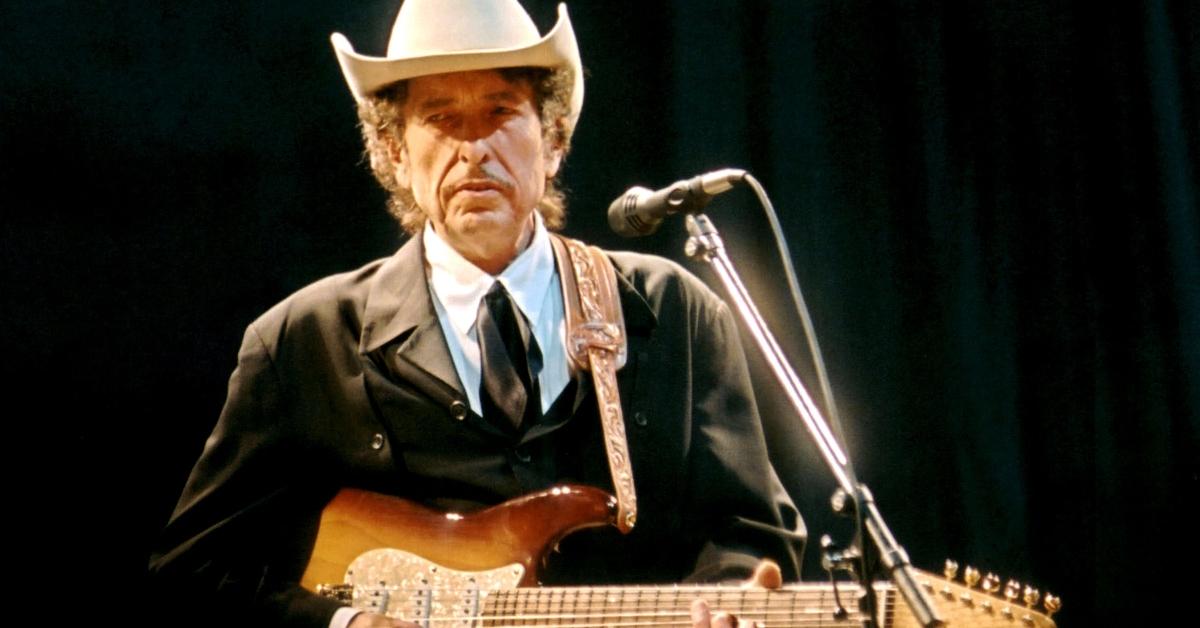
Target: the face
(474, 158)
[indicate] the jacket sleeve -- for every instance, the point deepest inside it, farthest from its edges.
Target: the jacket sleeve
(240, 536)
(734, 497)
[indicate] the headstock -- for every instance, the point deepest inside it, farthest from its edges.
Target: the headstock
(980, 600)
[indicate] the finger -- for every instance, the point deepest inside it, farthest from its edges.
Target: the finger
(725, 620)
(701, 618)
(375, 620)
(767, 575)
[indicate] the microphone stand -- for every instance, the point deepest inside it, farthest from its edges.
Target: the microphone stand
(705, 243)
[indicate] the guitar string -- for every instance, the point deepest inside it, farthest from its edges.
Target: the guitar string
(797, 617)
(584, 623)
(494, 599)
(587, 613)
(684, 619)
(683, 622)
(594, 597)
(889, 619)
(649, 595)
(770, 607)
(982, 619)
(542, 594)
(677, 619)
(650, 613)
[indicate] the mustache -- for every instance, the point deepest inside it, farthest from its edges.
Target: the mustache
(481, 174)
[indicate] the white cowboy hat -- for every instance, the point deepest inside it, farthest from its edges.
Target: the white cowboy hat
(439, 36)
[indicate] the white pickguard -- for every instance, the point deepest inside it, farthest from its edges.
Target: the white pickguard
(405, 586)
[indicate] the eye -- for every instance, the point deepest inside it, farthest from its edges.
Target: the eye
(502, 110)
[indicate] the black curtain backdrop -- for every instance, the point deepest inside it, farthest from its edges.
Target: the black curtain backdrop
(992, 207)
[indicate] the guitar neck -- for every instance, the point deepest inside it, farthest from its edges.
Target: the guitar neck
(629, 607)
(793, 606)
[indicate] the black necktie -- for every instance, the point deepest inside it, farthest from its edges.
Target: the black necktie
(508, 389)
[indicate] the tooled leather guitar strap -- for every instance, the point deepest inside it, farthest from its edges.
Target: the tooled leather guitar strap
(596, 343)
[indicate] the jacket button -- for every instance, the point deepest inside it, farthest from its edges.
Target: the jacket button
(522, 454)
(458, 410)
(639, 417)
(377, 441)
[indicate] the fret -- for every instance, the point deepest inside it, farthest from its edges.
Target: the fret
(510, 606)
(575, 602)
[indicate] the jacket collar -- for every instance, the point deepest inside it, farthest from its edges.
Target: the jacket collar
(399, 308)
(639, 317)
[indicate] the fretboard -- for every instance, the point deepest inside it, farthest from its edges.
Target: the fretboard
(631, 607)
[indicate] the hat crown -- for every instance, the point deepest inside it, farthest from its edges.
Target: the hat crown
(441, 36)
(426, 27)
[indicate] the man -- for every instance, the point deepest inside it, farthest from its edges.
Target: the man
(385, 378)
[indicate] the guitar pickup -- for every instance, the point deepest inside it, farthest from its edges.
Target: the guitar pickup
(339, 592)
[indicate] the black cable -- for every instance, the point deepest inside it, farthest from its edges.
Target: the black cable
(810, 334)
(866, 565)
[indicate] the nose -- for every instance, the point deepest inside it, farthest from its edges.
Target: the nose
(474, 151)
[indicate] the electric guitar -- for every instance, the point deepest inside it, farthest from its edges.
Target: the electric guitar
(400, 559)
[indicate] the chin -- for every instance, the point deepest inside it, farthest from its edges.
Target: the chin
(483, 221)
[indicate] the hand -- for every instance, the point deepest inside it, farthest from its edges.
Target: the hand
(766, 576)
(375, 620)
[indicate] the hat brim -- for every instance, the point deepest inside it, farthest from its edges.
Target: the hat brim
(558, 49)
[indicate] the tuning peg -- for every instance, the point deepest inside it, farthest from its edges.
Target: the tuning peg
(950, 570)
(1052, 603)
(1030, 596)
(971, 576)
(991, 583)
(1012, 590)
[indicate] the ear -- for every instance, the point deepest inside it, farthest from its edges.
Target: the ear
(553, 161)
(398, 154)
(552, 156)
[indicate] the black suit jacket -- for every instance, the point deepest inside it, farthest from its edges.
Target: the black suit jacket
(349, 382)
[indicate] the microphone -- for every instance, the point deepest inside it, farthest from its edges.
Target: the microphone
(640, 211)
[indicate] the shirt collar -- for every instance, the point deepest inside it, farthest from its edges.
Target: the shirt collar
(459, 285)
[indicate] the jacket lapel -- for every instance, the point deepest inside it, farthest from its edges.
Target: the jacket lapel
(401, 320)
(640, 319)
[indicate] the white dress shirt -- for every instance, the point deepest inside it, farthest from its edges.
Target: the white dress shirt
(531, 280)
